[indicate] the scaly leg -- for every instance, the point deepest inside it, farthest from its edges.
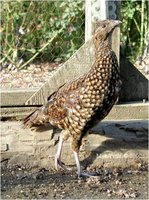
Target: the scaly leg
(58, 153)
(58, 162)
(80, 173)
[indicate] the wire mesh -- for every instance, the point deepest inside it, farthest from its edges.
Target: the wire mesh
(42, 31)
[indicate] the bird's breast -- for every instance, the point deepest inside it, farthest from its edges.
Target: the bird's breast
(96, 95)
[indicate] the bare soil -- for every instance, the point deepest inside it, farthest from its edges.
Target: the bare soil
(116, 183)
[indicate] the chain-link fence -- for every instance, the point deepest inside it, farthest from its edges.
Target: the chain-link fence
(42, 31)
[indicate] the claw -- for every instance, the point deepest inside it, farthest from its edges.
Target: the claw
(79, 170)
(86, 175)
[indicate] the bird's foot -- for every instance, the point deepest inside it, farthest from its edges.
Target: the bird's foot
(59, 163)
(87, 175)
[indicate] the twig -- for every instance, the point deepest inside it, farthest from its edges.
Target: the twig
(11, 60)
(142, 26)
(137, 25)
(5, 56)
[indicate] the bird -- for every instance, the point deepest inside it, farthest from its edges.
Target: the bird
(80, 104)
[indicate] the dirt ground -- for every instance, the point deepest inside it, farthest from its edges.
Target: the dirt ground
(116, 183)
(110, 183)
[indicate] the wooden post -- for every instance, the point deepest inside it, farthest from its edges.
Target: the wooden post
(113, 12)
(96, 10)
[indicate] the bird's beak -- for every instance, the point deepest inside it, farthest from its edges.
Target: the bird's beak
(117, 22)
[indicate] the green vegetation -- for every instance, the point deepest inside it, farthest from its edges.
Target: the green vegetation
(54, 30)
(134, 15)
(40, 30)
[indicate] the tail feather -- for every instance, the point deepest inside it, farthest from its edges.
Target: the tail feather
(36, 118)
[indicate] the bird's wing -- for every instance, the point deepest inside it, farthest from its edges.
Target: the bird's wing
(58, 107)
(60, 103)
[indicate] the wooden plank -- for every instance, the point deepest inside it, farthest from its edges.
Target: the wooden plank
(88, 21)
(134, 83)
(15, 97)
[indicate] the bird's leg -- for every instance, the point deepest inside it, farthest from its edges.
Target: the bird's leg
(58, 162)
(80, 172)
(78, 163)
(58, 153)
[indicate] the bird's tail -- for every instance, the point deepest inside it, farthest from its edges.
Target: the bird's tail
(37, 117)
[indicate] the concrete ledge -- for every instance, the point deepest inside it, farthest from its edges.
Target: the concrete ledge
(129, 110)
(111, 143)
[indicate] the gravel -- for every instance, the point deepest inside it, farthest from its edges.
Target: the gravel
(34, 76)
(110, 183)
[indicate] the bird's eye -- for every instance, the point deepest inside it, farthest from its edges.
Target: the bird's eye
(103, 26)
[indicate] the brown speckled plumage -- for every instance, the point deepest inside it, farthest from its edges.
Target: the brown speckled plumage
(80, 104)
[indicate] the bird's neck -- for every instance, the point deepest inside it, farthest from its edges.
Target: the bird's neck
(103, 43)
(103, 46)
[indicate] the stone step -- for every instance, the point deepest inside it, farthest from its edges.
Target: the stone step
(111, 143)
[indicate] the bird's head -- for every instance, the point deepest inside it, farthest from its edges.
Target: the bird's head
(104, 31)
